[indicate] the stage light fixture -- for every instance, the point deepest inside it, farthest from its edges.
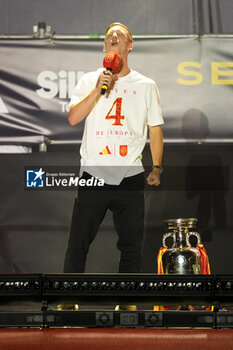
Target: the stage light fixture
(164, 289)
(42, 31)
(20, 284)
(224, 285)
(128, 285)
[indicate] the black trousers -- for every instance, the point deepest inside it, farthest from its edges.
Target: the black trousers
(126, 202)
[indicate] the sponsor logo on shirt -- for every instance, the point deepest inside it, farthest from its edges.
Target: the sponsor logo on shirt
(105, 151)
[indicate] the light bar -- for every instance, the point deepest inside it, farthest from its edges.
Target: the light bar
(219, 286)
(224, 285)
(20, 284)
(128, 285)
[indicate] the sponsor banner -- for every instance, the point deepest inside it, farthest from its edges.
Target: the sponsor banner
(195, 79)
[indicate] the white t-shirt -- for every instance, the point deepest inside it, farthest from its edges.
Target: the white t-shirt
(116, 129)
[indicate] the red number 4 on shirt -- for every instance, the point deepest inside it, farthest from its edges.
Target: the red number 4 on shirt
(117, 116)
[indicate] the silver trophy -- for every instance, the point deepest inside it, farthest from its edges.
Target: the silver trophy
(181, 258)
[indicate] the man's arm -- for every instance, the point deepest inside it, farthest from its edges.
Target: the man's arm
(156, 147)
(81, 110)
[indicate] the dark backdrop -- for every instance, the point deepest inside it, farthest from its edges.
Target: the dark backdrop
(92, 16)
(35, 224)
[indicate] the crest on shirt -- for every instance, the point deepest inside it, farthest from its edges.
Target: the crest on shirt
(123, 150)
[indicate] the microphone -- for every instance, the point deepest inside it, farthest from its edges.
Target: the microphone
(112, 62)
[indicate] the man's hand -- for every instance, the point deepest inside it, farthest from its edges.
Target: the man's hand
(153, 178)
(106, 77)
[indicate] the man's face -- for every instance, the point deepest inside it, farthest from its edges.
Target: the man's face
(117, 39)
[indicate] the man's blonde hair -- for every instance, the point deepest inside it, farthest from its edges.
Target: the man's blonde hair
(121, 25)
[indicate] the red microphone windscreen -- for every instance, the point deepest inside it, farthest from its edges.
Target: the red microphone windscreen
(112, 60)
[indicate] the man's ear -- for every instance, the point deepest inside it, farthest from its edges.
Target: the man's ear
(130, 47)
(104, 48)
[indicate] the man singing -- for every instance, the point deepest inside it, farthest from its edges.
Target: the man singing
(113, 140)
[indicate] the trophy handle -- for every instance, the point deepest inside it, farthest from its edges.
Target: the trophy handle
(166, 235)
(196, 234)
